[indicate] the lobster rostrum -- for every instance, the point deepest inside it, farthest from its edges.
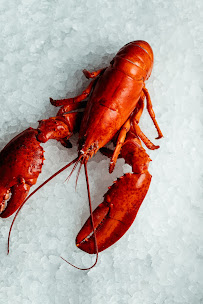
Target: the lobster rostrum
(110, 110)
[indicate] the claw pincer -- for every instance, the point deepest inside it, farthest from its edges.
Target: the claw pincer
(20, 164)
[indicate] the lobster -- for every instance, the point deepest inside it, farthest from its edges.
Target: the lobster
(108, 110)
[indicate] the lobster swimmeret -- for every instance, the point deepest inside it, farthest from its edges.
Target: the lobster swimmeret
(112, 106)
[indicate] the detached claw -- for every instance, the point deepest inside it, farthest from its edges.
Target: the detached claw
(115, 215)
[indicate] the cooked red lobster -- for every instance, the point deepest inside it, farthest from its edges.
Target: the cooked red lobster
(112, 106)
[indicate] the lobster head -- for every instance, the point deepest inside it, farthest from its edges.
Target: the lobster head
(140, 58)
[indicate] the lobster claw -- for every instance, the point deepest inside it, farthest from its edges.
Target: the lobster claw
(18, 194)
(115, 215)
(22, 158)
(20, 164)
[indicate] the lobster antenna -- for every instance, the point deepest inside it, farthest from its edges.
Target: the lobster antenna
(92, 220)
(76, 160)
(76, 182)
(76, 163)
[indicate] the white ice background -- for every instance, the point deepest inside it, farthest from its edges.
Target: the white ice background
(45, 45)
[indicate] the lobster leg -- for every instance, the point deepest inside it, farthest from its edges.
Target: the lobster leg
(151, 112)
(70, 101)
(71, 107)
(92, 74)
(143, 137)
(121, 138)
(71, 104)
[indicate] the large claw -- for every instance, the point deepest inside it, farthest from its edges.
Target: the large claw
(115, 215)
(22, 158)
(20, 164)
